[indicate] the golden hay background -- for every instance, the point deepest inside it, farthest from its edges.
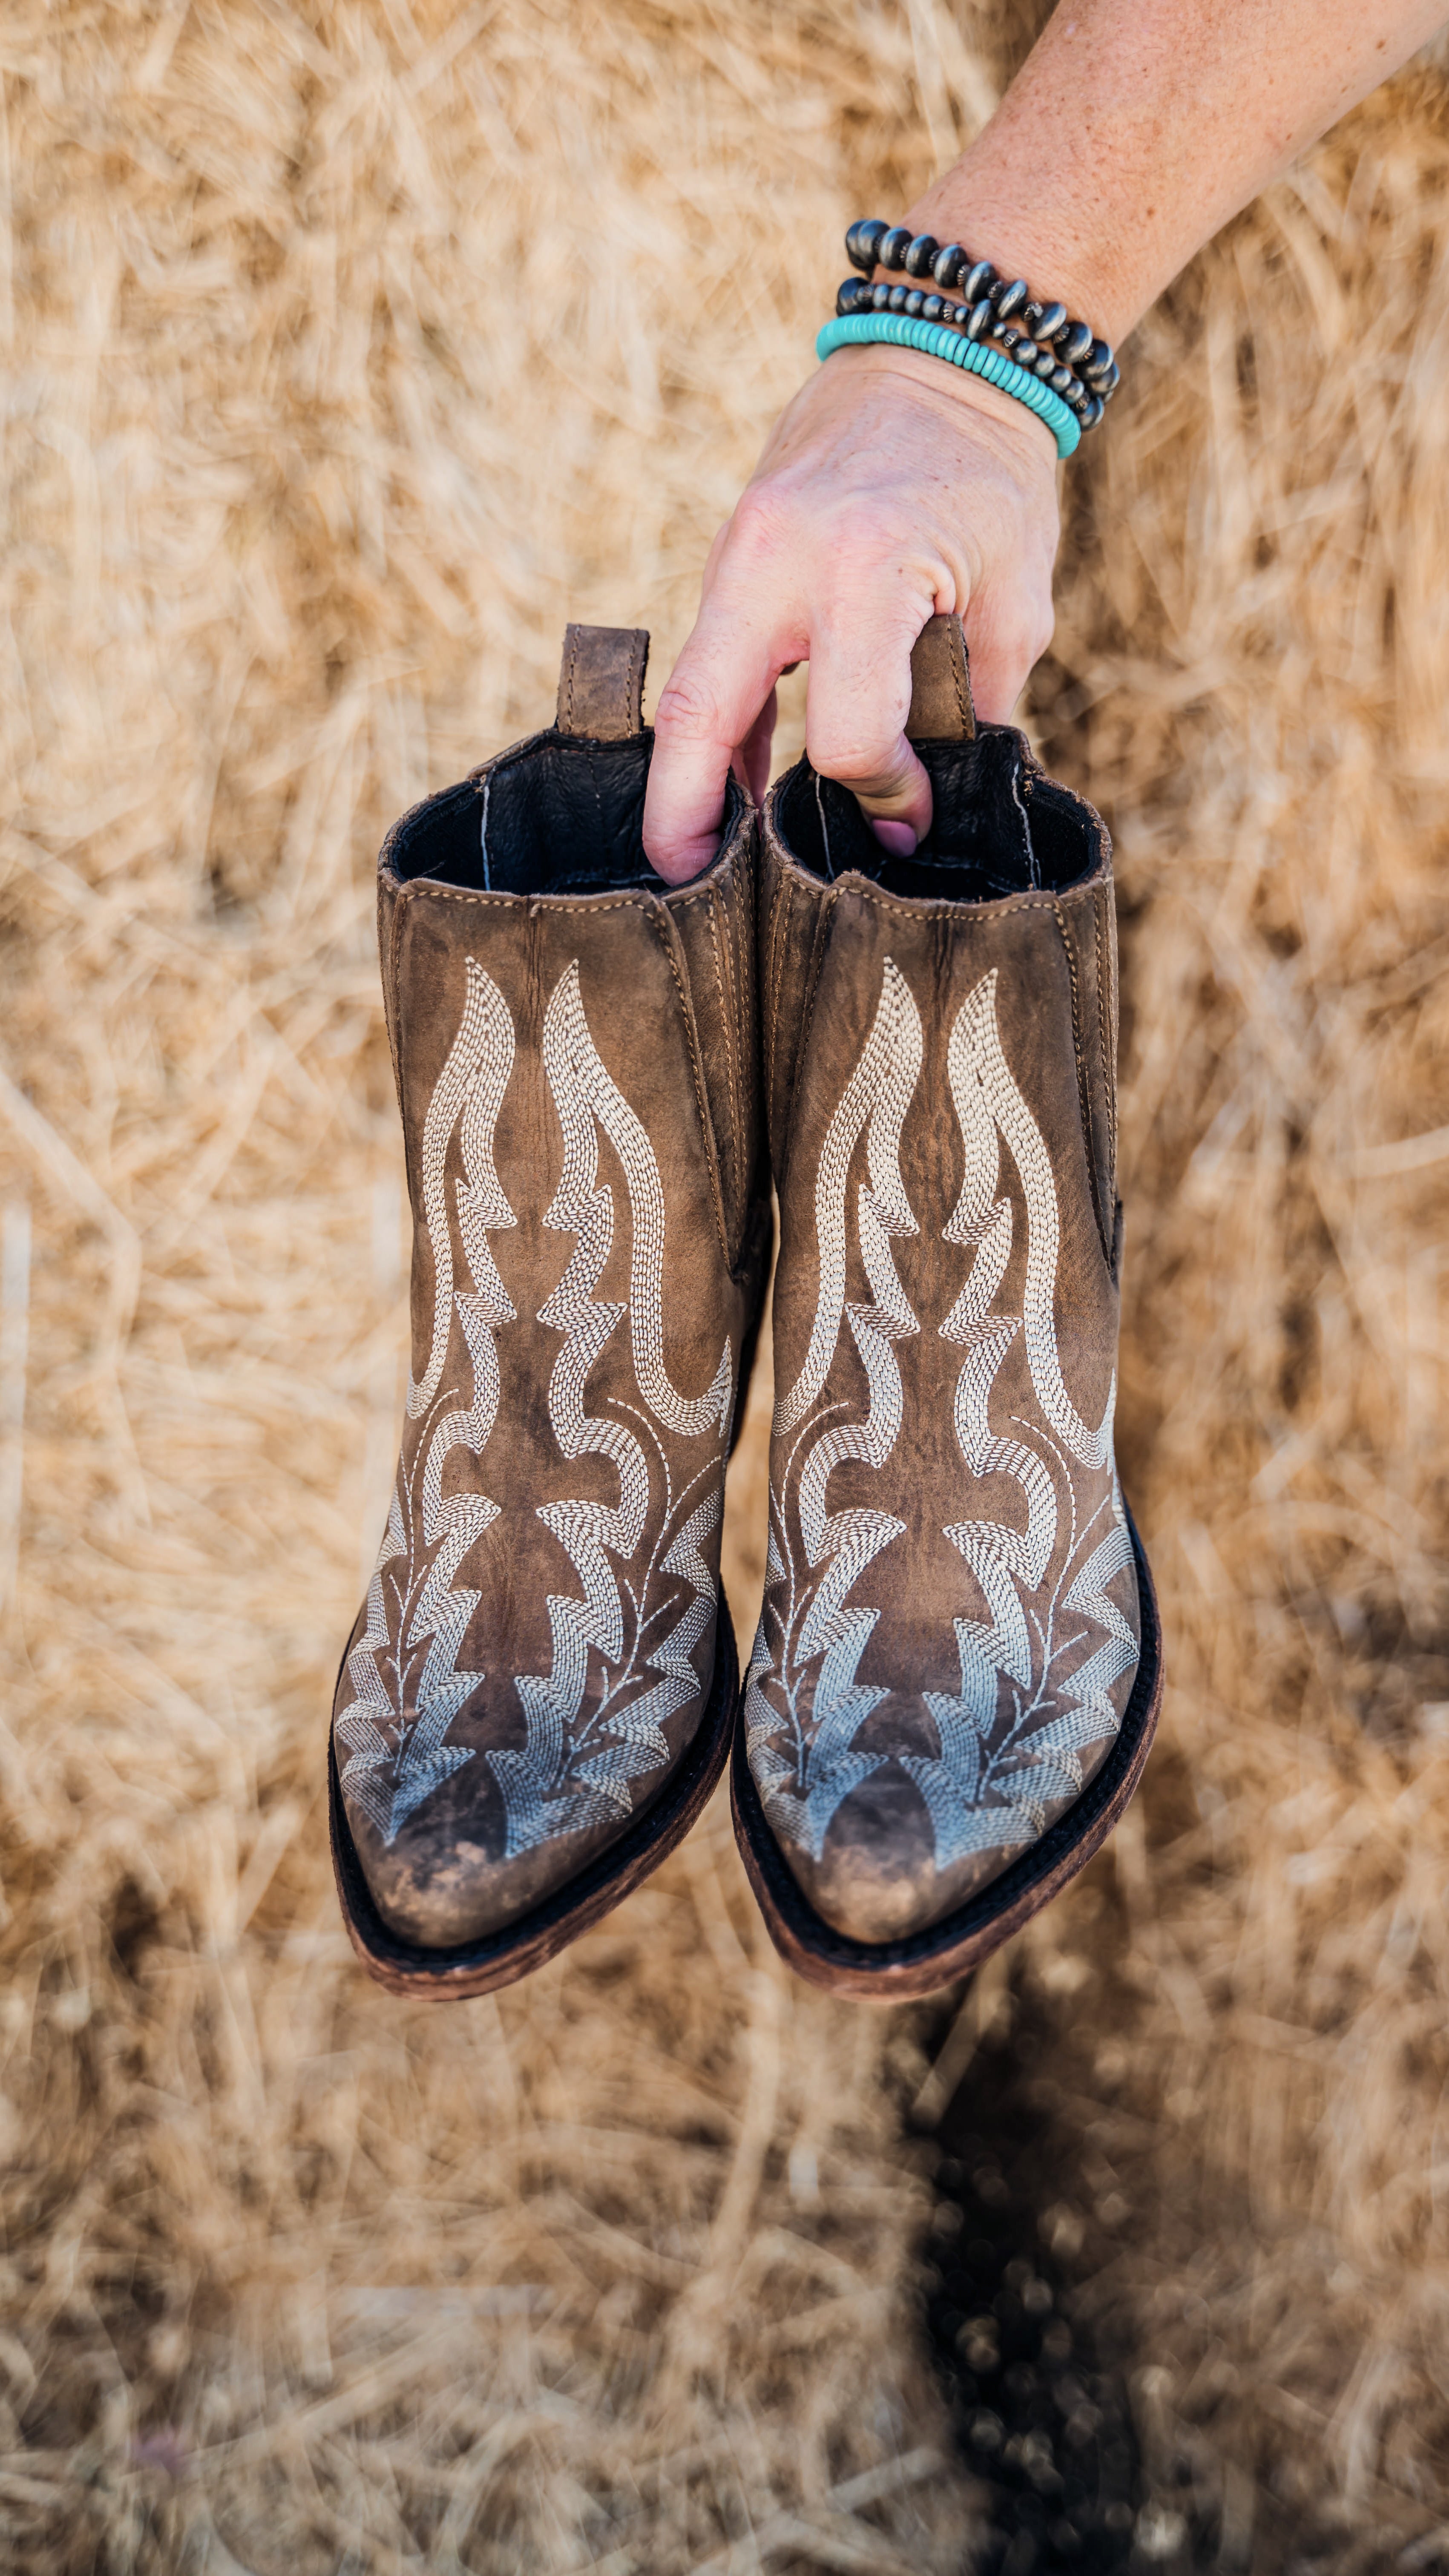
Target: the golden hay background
(349, 349)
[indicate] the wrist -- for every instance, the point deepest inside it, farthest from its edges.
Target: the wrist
(1027, 244)
(999, 419)
(1041, 223)
(960, 308)
(963, 356)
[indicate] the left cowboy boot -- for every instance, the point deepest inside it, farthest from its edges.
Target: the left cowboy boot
(537, 1696)
(958, 1669)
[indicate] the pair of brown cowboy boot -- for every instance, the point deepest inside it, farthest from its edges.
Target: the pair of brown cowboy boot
(958, 1667)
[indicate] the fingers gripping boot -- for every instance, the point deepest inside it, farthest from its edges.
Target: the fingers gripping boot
(575, 1057)
(951, 1622)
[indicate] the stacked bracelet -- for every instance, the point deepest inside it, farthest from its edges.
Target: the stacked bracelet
(975, 356)
(998, 318)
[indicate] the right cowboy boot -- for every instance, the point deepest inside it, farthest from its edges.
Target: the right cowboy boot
(537, 1696)
(958, 1669)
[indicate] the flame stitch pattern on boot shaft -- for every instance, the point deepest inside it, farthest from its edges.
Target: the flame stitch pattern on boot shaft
(981, 1795)
(839, 1546)
(568, 1775)
(547, 1787)
(397, 1760)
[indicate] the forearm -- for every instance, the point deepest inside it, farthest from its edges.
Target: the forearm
(1136, 128)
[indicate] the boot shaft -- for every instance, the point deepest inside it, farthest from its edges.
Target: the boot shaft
(575, 1049)
(934, 1028)
(528, 880)
(941, 1663)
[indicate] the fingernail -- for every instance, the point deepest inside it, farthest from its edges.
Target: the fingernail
(897, 838)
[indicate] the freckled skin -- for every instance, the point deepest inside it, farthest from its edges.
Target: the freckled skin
(894, 488)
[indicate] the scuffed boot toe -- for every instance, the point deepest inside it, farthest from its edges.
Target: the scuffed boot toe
(447, 1877)
(890, 1852)
(874, 1877)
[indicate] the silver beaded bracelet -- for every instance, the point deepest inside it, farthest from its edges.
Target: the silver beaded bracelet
(1040, 339)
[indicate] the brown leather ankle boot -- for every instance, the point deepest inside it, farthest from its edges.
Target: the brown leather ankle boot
(958, 1668)
(538, 1693)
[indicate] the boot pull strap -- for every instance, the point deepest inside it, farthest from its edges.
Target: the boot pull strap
(601, 681)
(941, 709)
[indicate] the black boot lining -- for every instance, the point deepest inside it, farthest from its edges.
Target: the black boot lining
(559, 816)
(997, 829)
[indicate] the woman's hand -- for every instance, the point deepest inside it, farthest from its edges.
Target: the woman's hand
(895, 487)
(891, 490)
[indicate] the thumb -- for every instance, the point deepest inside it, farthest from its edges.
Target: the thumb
(859, 699)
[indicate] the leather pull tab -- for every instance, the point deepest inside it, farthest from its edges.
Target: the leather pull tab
(941, 709)
(601, 681)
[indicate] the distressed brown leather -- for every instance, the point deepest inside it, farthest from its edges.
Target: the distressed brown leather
(941, 708)
(951, 1623)
(601, 682)
(576, 1056)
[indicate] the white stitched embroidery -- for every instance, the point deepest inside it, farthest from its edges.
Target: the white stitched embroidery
(397, 1759)
(801, 1794)
(983, 1091)
(1011, 1738)
(992, 1786)
(876, 1098)
(581, 1753)
(575, 1767)
(583, 1092)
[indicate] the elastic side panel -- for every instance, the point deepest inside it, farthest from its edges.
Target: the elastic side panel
(716, 925)
(1081, 921)
(387, 896)
(792, 917)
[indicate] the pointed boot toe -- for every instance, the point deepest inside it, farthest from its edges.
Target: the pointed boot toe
(874, 1876)
(538, 1693)
(925, 1824)
(958, 1668)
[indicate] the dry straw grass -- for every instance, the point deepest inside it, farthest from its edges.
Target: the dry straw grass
(1252, 673)
(349, 349)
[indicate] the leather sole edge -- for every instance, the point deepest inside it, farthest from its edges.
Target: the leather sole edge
(501, 1958)
(903, 1971)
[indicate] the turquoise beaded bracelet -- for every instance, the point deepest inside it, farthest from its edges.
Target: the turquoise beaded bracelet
(855, 330)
